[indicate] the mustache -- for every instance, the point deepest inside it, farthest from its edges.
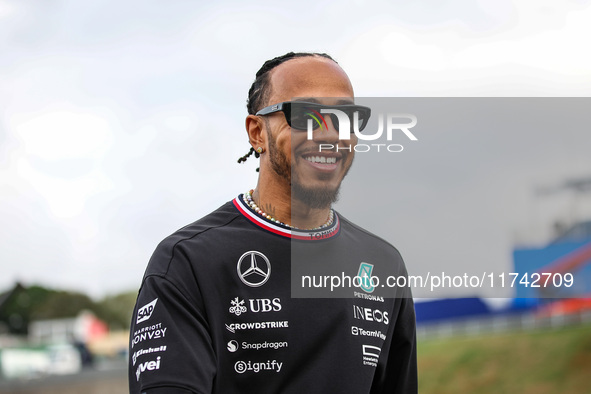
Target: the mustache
(331, 149)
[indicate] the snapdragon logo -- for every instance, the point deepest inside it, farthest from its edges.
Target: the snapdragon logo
(389, 124)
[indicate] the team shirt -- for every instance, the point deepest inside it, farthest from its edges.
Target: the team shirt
(215, 312)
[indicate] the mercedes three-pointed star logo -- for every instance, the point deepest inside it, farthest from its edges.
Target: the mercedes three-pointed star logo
(251, 269)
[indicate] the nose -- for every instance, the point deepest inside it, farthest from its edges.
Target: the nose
(329, 134)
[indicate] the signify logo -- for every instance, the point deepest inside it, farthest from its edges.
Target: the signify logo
(389, 125)
(249, 366)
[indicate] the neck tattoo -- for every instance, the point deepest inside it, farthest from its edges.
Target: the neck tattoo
(250, 202)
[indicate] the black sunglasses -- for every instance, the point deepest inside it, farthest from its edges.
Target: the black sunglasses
(299, 113)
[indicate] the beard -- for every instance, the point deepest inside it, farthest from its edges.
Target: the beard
(314, 197)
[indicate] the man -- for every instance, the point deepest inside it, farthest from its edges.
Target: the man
(215, 313)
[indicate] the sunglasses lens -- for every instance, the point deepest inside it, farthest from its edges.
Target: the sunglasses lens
(300, 116)
(303, 115)
(363, 118)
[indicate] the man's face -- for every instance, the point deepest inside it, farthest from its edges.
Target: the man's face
(315, 176)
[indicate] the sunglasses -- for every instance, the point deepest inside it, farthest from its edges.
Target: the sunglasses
(299, 113)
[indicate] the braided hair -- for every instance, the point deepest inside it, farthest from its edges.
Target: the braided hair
(259, 92)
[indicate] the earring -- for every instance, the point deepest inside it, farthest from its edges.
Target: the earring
(260, 150)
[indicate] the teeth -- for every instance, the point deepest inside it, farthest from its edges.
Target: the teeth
(322, 159)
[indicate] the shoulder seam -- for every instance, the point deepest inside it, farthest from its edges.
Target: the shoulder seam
(369, 233)
(193, 236)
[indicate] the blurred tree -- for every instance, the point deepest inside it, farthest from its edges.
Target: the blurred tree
(116, 310)
(18, 304)
(21, 305)
(62, 304)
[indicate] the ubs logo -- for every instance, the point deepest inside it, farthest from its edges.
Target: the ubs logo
(253, 268)
(256, 305)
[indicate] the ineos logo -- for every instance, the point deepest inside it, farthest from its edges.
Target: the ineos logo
(254, 268)
(368, 314)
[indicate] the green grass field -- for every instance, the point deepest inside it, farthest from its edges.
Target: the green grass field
(540, 362)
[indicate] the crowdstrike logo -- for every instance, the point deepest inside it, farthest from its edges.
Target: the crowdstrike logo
(263, 325)
(253, 268)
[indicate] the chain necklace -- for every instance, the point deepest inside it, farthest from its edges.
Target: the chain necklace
(250, 202)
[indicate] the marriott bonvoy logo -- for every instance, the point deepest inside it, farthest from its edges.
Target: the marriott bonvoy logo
(390, 123)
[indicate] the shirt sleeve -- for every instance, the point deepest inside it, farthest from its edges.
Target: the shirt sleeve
(400, 374)
(170, 347)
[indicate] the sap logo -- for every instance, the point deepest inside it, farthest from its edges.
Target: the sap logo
(145, 312)
(265, 305)
(368, 314)
(147, 366)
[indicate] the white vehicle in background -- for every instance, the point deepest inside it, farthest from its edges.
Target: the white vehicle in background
(31, 363)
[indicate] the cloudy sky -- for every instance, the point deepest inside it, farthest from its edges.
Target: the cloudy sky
(122, 121)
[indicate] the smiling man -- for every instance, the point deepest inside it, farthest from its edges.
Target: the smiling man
(215, 312)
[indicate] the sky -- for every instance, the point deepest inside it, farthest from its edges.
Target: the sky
(121, 122)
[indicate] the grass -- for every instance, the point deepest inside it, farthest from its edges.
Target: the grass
(548, 361)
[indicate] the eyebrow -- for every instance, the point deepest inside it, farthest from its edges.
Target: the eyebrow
(315, 100)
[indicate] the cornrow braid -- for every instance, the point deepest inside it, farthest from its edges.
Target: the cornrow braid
(259, 92)
(250, 152)
(246, 156)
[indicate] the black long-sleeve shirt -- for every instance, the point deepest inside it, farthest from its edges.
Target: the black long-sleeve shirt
(216, 313)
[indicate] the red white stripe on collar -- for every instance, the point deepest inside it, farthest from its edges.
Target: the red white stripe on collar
(305, 235)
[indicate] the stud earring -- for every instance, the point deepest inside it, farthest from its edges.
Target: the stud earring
(260, 150)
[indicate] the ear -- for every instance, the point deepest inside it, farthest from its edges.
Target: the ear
(255, 127)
